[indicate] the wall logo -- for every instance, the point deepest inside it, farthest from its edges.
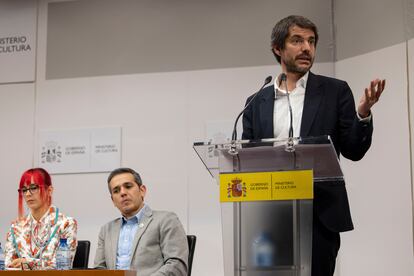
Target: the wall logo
(51, 153)
(14, 44)
(237, 188)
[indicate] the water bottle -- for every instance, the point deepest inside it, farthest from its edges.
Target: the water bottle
(63, 259)
(263, 251)
(1, 258)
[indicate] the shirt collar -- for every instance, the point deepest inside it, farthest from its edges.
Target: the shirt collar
(43, 219)
(300, 83)
(136, 218)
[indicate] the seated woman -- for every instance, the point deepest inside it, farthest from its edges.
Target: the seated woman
(33, 240)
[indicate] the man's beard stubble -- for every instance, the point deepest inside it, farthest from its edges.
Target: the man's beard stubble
(291, 67)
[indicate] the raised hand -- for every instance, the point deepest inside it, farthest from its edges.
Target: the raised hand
(370, 97)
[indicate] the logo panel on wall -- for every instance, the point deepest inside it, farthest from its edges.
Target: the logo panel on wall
(51, 152)
(17, 41)
(80, 150)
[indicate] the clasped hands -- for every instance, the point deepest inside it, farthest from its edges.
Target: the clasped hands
(19, 263)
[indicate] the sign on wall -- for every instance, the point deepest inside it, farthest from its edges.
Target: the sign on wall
(80, 150)
(17, 40)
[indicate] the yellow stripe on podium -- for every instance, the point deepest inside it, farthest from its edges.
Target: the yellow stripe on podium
(259, 186)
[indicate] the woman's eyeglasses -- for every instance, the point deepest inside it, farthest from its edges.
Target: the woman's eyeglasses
(32, 188)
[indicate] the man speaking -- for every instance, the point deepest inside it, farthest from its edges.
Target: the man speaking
(313, 105)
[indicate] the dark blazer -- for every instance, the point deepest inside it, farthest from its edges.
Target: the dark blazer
(329, 109)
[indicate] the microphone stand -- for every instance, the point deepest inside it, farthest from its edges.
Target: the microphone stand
(233, 146)
(290, 145)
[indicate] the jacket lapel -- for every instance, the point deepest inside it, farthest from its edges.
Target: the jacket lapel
(142, 226)
(267, 103)
(313, 97)
(114, 241)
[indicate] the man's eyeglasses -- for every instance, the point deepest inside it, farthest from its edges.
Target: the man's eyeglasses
(32, 188)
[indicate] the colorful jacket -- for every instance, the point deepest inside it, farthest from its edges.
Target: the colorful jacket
(40, 255)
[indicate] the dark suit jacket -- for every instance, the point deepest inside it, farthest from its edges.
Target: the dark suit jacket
(329, 109)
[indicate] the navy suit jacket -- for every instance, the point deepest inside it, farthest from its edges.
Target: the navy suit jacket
(329, 109)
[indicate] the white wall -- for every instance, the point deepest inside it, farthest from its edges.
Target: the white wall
(379, 186)
(16, 146)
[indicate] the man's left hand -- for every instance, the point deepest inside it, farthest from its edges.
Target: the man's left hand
(371, 96)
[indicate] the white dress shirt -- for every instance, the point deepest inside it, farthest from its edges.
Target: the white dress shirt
(281, 116)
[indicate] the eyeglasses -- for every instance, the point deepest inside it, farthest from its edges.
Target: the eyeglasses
(32, 188)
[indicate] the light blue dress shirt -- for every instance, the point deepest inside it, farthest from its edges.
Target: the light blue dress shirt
(129, 228)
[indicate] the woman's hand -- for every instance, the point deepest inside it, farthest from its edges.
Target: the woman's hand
(17, 263)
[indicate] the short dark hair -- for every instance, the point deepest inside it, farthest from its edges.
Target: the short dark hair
(137, 177)
(281, 31)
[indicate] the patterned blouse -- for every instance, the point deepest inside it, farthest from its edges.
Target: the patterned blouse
(37, 241)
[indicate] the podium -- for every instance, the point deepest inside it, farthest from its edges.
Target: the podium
(271, 233)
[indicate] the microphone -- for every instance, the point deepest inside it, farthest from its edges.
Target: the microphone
(290, 146)
(266, 82)
(283, 78)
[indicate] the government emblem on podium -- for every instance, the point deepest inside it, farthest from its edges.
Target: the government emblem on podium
(237, 188)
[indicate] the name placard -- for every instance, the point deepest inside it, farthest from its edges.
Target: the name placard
(258, 186)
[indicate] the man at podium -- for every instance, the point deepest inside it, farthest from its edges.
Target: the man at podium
(148, 241)
(301, 103)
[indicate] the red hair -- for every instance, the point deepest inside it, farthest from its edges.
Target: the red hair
(40, 177)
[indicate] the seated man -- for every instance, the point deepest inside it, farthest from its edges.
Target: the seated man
(151, 242)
